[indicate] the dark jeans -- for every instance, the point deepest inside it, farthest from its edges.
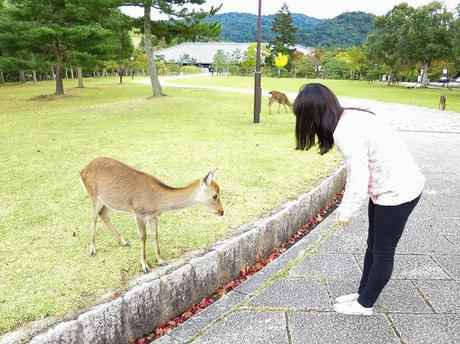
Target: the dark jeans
(386, 225)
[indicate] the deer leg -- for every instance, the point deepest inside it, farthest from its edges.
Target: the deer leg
(279, 105)
(270, 106)
(104, 214)
(153, 223)
(97, 205)
(142, 235)
(285, 110)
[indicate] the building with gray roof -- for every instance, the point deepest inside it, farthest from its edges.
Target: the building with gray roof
(200, 53)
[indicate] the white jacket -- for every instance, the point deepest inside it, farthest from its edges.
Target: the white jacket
(378, 163)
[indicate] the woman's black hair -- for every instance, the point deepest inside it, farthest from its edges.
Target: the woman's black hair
(317, 112)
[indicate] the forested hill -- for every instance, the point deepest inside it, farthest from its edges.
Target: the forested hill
(242, 27)
(350, 28)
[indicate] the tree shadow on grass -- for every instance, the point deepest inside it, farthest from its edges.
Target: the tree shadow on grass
(50, 97)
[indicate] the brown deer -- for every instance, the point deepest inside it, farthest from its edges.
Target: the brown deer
(442, 102)
(113, 185)
(281, 98)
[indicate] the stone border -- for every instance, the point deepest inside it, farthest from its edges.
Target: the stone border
(160, 296)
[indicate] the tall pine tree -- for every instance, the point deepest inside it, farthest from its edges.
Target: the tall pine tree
(284, 30)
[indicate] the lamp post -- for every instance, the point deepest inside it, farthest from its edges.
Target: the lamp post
(257, 88)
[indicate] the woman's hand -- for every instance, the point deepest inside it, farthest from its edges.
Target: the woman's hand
(342, 220)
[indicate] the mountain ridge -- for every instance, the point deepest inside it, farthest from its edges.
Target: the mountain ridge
(346, 29)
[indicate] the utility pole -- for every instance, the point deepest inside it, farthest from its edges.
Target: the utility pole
(257, 76)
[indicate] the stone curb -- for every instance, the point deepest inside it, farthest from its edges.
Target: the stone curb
(172, 291)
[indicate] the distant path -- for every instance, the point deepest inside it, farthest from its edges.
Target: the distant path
(401, 116)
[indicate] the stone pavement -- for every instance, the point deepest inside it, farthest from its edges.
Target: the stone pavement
(290, 300)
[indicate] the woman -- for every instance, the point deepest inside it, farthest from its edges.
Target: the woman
(379, 165)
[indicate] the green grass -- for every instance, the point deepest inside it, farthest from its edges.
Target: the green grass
(357, 89)
(45, 269)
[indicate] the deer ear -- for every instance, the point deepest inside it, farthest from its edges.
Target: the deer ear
(215, 173)
(206, 180)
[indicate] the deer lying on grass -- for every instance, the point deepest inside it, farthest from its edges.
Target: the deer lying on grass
(442, 102)
(113, 185)
(281, 98)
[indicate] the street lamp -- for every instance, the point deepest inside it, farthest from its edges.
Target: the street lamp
(257, 88)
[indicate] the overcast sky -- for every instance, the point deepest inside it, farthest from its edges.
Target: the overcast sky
(318, 8)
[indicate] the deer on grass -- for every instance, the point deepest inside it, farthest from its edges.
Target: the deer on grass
(281, 98)
(113, 185)
(442, 102)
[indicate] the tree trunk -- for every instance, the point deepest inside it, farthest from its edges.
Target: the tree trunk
(53, 75)
(22, 77)
(295, 72)
(156, 87)
(391, 74)
(71, 73)
(67, 73)
(120, 73)
(2, 78)
(34, 73)
(80, 77)
(424, 83)
(104, 72)
(59, 83)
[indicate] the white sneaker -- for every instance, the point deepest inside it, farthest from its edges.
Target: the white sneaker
(353, 308)
(346, 298)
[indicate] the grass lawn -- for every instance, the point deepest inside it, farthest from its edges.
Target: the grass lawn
(356, 89)
(45, 269)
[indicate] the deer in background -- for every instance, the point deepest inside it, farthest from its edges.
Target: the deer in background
(113, 185)
(442, 102)
(281, 98)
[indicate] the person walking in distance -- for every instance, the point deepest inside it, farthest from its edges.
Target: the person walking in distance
(378, 165)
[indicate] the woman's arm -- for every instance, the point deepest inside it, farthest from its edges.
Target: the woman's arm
(354, 148)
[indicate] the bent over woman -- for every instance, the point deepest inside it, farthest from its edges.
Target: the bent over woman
(379, 165)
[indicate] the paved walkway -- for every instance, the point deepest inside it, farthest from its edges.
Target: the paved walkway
(290, 300)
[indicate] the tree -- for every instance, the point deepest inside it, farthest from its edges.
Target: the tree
(220, 61)
(60, 29)
(183, 23)
(281, 60)
(354, 58)
(248, 64)
(334, 67)
(456, 37)
(285, 34)
(428, 36)
(388, 44)
(284, 29)
(13, 55)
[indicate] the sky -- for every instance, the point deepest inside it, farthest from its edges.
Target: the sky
(319, 9)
